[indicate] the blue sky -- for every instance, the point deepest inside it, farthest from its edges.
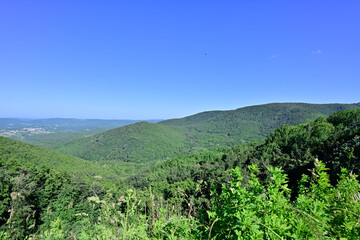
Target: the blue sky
(165, 59)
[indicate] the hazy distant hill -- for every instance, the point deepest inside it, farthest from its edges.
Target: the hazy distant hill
(65, 124)
(143, 142)
(51, 132)
(11, 123)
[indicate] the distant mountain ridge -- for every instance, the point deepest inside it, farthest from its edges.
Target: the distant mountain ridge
(325, 109)
(252, 122)
(66, 124)
(147, 142)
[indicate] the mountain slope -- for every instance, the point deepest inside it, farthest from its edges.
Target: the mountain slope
(250, 123)
(39, 156)
(51, 132)
(252, 112)
(144, 142)
(132, 143)
(335, 140)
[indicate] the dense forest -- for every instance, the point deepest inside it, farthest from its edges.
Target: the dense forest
(148, 142)
(300, 182)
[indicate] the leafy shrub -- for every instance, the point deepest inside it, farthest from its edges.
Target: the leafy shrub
(259, 212)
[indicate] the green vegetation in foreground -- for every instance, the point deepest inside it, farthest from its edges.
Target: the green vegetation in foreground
(145, 142)
(319, 211)
(271, 189)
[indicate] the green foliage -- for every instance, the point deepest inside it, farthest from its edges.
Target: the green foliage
(29, 154)
(261, 190)
(243, 125)
(4, 235)
(345, 118)
(125, 218)
(251, 211)
(134, 143)
(34, 196)
(293, 148)
(335, 140)
(266, 212)
(146, 142)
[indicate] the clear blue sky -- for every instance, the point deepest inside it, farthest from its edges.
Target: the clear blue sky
(164, 59)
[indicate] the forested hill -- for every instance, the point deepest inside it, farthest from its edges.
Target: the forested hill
(335, 140)
(227, 193)
(256, 112)
(250, 123)
(30, 155)
(144, 142)
(133, 143)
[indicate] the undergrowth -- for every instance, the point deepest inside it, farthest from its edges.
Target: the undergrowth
(240, 211)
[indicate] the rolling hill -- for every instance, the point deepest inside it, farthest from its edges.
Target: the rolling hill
(146, 142)
(335, 140)
(54, 131)
(27, 154)
(132, 143)
(250, 123)
(34, 187)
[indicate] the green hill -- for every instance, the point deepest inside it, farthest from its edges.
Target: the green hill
(252, 112)
(144, 142)
(218, 189)
(335, 140)
(52, 140)
(27, 154)
(242, 125)
(132, 143)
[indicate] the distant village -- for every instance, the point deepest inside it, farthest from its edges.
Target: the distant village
(27, 131)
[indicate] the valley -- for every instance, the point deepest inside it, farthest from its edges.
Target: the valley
(146, 142)
(183, 169)
(218, 120)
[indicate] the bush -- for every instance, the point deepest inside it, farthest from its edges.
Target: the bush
(257, 212)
